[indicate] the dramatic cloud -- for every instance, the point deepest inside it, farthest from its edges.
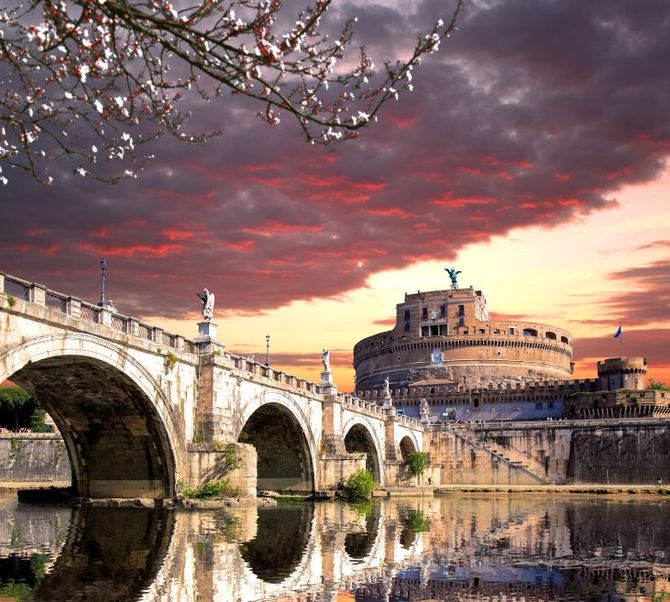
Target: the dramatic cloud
(536, 113)
(649, 343)
(645, 294)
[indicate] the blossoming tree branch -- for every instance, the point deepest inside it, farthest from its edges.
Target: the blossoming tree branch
(92, 81)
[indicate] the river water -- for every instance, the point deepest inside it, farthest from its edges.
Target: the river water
(456, 547)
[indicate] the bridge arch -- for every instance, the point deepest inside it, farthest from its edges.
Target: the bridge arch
(285, 444)
(407, 445)
(122, 436)
(360, 436)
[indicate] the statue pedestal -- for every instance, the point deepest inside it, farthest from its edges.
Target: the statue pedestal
(327, 385)
(388, 402)
(206, 332)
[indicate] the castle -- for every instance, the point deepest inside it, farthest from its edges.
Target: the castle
(446, 360)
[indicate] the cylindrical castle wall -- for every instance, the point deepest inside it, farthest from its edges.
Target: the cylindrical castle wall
(470, 360)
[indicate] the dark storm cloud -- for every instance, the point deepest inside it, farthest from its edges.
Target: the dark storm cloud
(532, 114)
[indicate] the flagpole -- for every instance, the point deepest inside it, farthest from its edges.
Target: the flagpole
(621, 344)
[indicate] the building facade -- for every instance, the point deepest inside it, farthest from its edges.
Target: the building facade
(445, 359)
(446, 337)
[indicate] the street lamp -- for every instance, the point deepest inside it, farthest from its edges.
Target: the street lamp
(267, 350)
(103, 277)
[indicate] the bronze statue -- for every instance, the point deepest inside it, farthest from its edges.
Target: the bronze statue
(453, 274)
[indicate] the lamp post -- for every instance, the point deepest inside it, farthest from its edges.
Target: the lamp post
(267, 350)
(103, 277)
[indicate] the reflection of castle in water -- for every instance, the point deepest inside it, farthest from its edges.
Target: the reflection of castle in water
(438, 547)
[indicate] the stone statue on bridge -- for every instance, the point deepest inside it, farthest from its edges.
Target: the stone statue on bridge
(325, 360)
(207, 299)
(453, 275)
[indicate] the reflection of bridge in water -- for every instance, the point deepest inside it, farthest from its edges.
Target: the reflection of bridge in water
(475, 548)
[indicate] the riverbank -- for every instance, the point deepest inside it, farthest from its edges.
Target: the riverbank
(581, 488)
(596, 489)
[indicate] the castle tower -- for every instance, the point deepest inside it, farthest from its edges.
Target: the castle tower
(446, 337)
(622, 373)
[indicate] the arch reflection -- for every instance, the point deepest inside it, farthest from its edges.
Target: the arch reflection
(109, 554)
(359, 545)
(279, 545)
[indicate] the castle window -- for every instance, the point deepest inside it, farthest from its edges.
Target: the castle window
(461, 321)
(434, 330)
(425, 331)
(424, 313)
(564, 340)
(461, 310)
(443, 311)
(529, 332)
(550, 335)
(406, 326)
(444, 330)
(407, 315)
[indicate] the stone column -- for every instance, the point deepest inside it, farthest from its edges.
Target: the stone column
(333, 439)
(73, 308)
(204, 408)
(38, 294)
(105, 317)
(389, 435)
(133, 327)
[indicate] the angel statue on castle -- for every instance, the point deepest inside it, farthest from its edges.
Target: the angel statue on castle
(453, 275)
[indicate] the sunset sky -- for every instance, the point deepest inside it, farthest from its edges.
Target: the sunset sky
(532, 155)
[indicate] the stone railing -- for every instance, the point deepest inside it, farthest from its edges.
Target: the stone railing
(249, 364)
(354, 403)
(87, 312)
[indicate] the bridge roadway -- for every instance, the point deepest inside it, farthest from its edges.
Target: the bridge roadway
(141, 410)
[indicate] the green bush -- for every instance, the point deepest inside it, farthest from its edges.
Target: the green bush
(359, 485)
(209, 491)
(417, 462)
(417, 522)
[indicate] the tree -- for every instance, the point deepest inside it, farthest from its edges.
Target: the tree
(657, 385)
(93, 80)
(18, 409)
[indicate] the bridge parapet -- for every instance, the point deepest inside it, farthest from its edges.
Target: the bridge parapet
(17, 288)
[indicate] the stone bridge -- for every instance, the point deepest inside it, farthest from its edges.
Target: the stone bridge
(141, 410)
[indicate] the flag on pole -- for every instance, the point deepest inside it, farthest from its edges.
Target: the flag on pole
(618, 332)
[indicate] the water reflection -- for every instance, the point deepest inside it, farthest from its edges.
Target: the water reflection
(459, 547)
(359, 545)
(280, 542)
